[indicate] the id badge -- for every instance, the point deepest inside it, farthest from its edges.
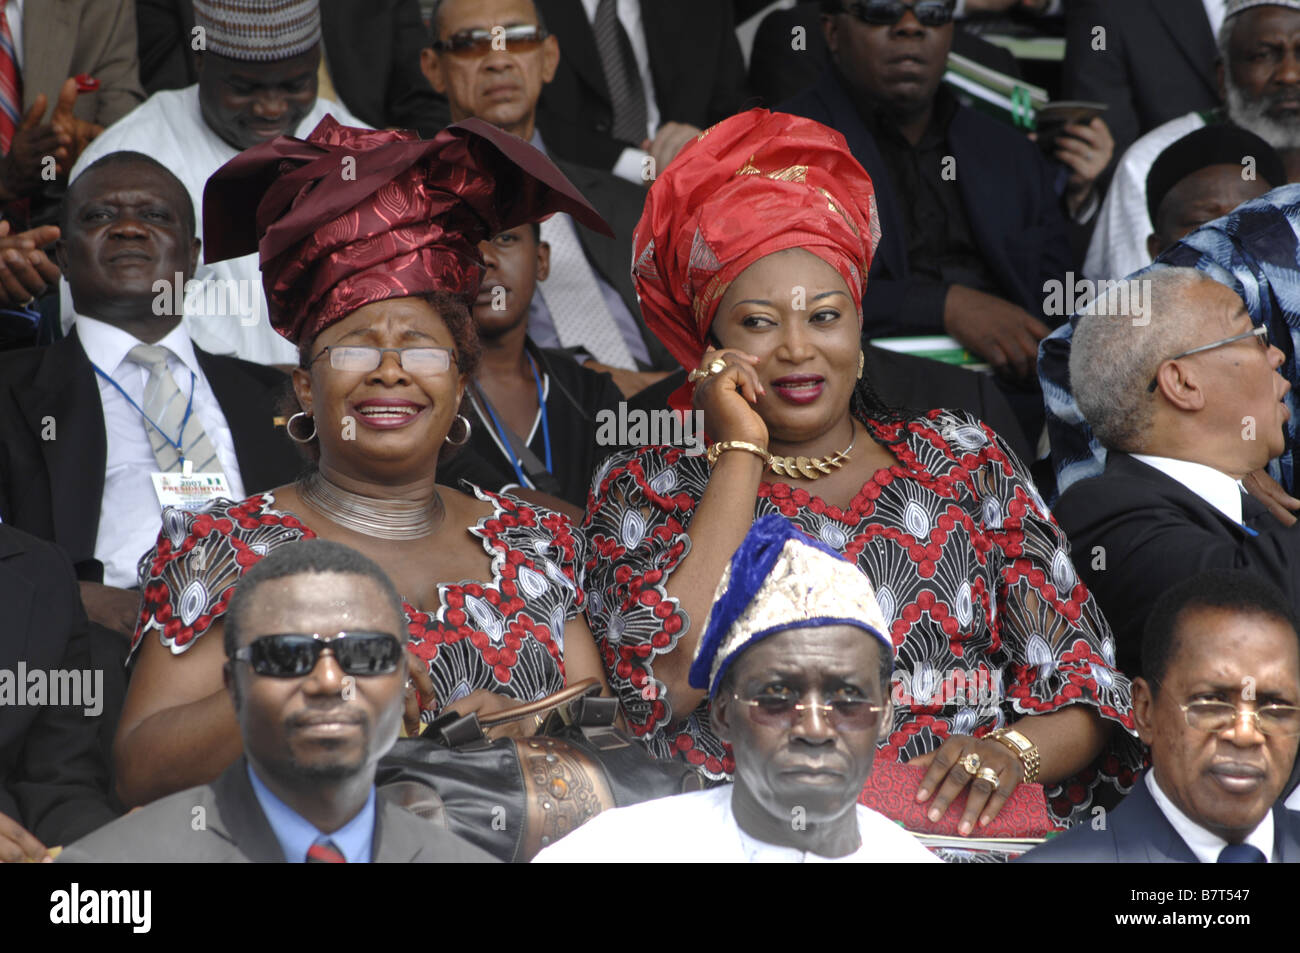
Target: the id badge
(189, 491)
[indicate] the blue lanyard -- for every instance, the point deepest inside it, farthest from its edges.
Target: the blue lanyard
(505, 440)
(175, 444)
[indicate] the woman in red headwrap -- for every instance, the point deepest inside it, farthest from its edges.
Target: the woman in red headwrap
(369, 255)
(750, 261)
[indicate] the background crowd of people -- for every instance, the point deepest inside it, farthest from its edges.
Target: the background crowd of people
(311, 312)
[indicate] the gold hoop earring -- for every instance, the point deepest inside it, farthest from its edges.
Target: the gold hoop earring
(288, 428)
(862, 363)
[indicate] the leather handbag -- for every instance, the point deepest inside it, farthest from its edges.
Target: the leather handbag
(514, 796)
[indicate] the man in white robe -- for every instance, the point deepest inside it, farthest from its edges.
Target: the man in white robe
(257, 80)
(797, 666)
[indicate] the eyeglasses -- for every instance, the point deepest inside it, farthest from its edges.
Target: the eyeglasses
(1260, 332)
(784, 709)
(521, 38)
(889, 12)
(421, 361)
(291, 655)
(1214, 717)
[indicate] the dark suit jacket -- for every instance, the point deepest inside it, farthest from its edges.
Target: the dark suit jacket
(695, 63)
(54, 762)
(372, 48)
(53, 488)
(619, 203)
(1155, 532)
(62, 38)
(1006, 189)
(1158, 62)
(1137, 832)
(234, 830)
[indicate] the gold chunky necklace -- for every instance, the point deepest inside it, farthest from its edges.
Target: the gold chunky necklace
(811, 468)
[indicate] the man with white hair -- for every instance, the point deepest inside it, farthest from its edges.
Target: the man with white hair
(258, 62)
(1187, 401)
(1259, 83)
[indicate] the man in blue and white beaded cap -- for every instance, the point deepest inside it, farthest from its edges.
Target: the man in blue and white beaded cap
(797, 664)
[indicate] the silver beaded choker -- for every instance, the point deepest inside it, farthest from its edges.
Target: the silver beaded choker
(383, 519)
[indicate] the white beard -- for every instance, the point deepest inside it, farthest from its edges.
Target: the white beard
(1250, 115)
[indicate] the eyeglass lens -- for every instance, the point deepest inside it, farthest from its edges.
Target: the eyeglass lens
(358, 653)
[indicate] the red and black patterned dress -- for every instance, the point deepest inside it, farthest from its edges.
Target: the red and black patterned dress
(506, 636)
(989, 619)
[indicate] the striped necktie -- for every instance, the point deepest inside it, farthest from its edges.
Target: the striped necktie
(10, 85)
(618, 62)
(165, 406)
(324, 851)
(577, 306)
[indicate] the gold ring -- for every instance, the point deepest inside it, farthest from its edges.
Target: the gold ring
(715, 366)
(989, 775)
(971, 763)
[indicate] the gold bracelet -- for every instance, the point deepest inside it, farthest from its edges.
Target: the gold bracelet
(718, 449)
(1022, 748)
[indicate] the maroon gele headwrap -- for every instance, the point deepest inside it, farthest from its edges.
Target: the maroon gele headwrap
(754, 184)
(352, 216)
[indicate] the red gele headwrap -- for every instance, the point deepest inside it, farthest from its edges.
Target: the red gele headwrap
(352, 216)
(756, 183)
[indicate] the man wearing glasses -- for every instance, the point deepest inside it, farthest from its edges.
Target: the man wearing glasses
(797, 664)
(317, 673)
(1188, 401)
(1218, 708)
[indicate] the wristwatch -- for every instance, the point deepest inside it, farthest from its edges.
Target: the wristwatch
(1022, 748)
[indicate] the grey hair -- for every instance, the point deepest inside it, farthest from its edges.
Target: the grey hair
(1224, 39)
(1113, 358)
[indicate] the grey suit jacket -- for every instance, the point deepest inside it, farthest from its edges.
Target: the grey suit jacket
(63, 38)
(1137, 832)
(233, 829)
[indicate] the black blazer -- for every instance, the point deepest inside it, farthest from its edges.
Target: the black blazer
(1154, 532)
(619, 203)
(1158, 62)
(1137, 832)
(1006, 188)
(54, 761)
(52, 488)
(695, 63)
(372, 48)
(236, 830)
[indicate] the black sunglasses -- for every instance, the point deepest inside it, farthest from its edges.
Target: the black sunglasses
(521, 38)
(889, 12)
(293, 655)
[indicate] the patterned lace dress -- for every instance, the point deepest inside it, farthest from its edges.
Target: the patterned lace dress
(506, 635)
(989, 620)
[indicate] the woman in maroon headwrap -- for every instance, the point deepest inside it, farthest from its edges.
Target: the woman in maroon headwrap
(750, 260)
(368, 245)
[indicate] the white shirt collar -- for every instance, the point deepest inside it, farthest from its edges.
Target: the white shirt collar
(1205, 845)
(1213, 486)
(107, 346)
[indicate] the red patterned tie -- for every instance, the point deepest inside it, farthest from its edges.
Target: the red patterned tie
(325, 851)
(10, 88)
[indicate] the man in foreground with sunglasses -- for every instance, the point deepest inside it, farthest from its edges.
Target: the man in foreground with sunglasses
(797, 664)
(1187, 400)
(1218, 708)
(316, 671)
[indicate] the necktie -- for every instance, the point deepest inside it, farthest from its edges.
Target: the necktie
(577, 307)
(1242, 854)
(618, 61)
(10, 88)
(324, 851)
(164, 404)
